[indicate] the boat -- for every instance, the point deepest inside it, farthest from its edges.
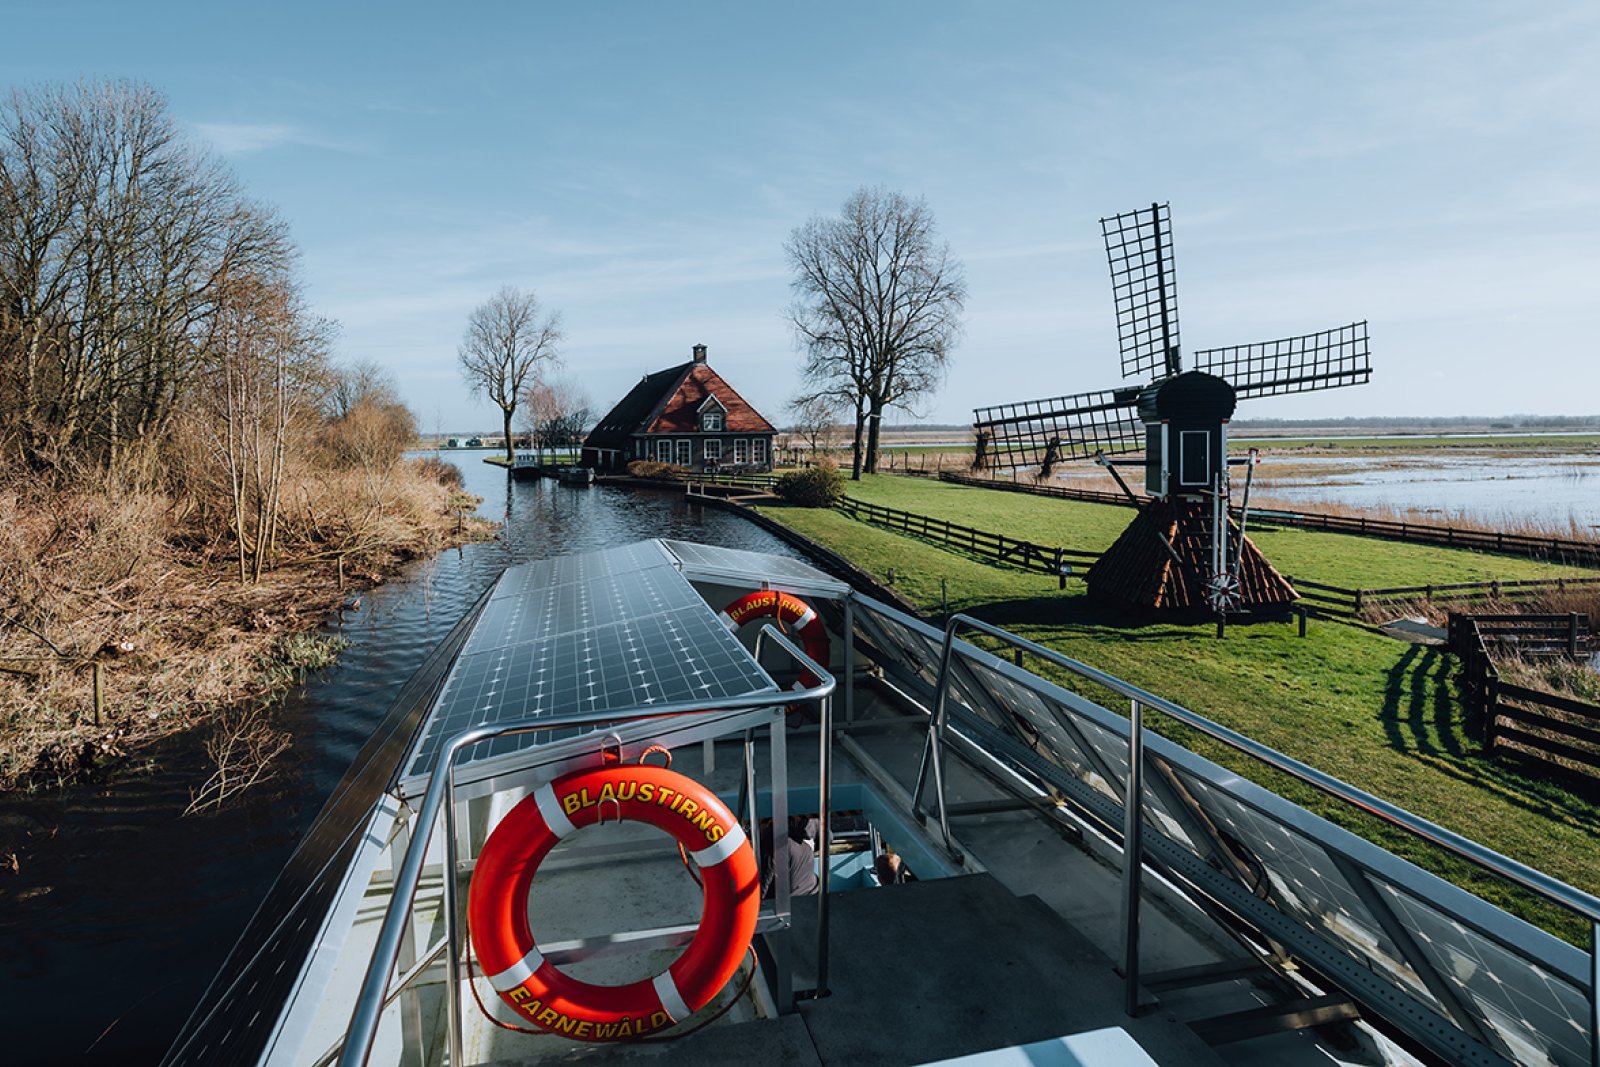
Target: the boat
(575, 475)
(993, 867)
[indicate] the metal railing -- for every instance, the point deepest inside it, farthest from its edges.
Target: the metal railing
(1543, 885)
(441, 788)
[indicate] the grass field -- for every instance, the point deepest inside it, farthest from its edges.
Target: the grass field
(1332, 559)
(1378, 713)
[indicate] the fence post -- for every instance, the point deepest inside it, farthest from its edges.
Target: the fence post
(1572, 634)
(1490, 701)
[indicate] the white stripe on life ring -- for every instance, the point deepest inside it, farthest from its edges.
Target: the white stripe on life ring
(671, 999)
(518, 972)
(550, 808)
(721, 849)
(805, 620)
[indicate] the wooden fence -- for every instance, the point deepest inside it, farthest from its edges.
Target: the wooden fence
(1046, 559)
(1351, 601)
(1531, 724)
(1554, 549)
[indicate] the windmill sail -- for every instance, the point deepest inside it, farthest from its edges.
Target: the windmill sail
(1304, 364)
(1144, 284)
(1044, 432)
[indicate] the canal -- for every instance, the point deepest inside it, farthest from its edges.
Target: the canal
(114, 925)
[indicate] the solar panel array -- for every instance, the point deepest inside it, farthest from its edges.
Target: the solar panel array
(711, 562)
(1475, 983)
(604, 631)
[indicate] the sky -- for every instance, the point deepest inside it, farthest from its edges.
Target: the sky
(1431, 167)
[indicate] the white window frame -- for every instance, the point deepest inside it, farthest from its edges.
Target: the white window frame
(758, 451)
(712, 451)
(685, 452)
(663, 450)
(741, 451)
(711, 421)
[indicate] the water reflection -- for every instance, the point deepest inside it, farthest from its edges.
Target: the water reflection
(129, 893)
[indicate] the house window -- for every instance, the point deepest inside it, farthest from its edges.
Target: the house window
(712, 450)
(663, 451)
(711, 422)
(758, 451)
(741, 450)
(683, 452)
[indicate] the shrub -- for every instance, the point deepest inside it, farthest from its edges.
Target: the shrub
(812, 487)
(649, 468)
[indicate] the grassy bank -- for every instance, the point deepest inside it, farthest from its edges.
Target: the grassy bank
(130, 588)
(1375, 712)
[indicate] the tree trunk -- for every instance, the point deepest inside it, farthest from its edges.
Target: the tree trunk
(874, 422)
(855, 461)
(511, 457)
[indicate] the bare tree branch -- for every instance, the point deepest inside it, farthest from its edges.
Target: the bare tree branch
(877, 308)
(505, 344)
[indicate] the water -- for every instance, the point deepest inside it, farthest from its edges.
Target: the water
(122, 911)
(1506, 491)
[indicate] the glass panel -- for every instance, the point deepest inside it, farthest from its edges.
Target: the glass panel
(1539, 1015)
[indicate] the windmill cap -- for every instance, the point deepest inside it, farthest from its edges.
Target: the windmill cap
(1193, 396)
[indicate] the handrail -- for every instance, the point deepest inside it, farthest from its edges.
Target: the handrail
(1584, 904)
(369, 1001)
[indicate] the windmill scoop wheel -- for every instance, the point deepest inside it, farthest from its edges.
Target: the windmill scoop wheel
(1179, 420)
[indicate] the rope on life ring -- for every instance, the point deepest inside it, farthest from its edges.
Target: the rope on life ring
(497, 902)
(787, 609)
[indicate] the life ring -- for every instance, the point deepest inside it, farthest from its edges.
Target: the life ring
(497, 902)
(786, 608)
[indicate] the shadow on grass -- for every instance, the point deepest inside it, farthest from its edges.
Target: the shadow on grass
(1422, 715)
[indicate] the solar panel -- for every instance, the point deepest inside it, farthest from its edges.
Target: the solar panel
(712, 563)
(604, 631)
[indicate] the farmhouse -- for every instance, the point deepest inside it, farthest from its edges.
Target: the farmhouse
(687, 415)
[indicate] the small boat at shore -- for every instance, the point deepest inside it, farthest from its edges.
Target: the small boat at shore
(876, 842)
(575, 475)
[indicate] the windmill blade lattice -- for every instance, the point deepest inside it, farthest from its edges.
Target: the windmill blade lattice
(1144, 285)
(1043, 432)
(1304, 364)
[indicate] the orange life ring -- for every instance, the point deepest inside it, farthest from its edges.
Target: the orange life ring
(786, 608)
(497, 903)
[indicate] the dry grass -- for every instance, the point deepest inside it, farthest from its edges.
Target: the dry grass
(145, 589)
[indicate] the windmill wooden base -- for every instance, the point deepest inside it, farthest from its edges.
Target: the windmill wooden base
(1138, 570)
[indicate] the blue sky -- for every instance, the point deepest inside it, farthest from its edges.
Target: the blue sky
(1431, 167)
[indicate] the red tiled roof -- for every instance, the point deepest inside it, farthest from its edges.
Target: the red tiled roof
(1138, 570)
(678, 411)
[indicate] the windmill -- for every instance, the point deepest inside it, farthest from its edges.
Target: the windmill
(1183, 550)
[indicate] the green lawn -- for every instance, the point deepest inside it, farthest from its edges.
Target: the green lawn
(1378, 713)
(1332, 559)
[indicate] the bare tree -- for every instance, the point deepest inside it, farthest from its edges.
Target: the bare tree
(555, 413)
(816, 420)
(505, 344)
(116, 237)
(878, 301)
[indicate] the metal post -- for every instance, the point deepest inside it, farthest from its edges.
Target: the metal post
(452, 922)
(1132, 857)
(849, 659)
(1594, 994)
(824, 838)
(778, 860)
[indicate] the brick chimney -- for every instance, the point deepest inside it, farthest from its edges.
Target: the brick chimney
(699, 353)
